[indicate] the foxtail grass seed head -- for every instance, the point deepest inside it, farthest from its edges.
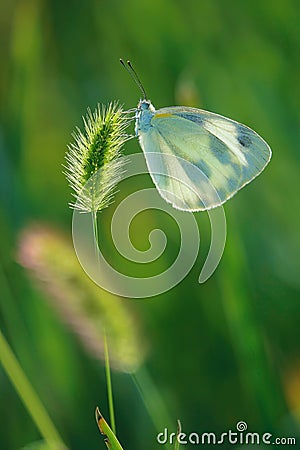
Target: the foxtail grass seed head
(87, 310)
(94, 155)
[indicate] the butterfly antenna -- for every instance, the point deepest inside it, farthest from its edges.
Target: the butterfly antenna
(134, 76)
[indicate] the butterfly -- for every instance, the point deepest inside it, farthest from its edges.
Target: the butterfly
(197, 159)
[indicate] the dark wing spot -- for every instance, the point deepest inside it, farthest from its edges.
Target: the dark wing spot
(192, 117)
(244, 139)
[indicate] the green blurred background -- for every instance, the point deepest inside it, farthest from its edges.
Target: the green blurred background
(217, 353)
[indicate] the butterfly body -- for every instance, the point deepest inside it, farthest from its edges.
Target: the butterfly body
(198, 159)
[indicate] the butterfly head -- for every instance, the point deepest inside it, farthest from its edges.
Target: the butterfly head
(145, 105)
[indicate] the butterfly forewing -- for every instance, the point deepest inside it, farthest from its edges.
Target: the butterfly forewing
(204, 158)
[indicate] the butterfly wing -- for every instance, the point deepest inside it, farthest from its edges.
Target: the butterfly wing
(198, 159)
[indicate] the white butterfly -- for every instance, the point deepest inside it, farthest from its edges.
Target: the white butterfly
(197, 159)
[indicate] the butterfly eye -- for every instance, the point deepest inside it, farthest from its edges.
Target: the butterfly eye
(144, 104)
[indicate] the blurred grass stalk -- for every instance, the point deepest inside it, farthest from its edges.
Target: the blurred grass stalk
(152, 399)
(49, 257)
(247, 339)
(29, 397)
(89, 310)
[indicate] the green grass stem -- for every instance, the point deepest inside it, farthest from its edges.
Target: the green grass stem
(109, 387)
(29, 397)
(106, 351)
